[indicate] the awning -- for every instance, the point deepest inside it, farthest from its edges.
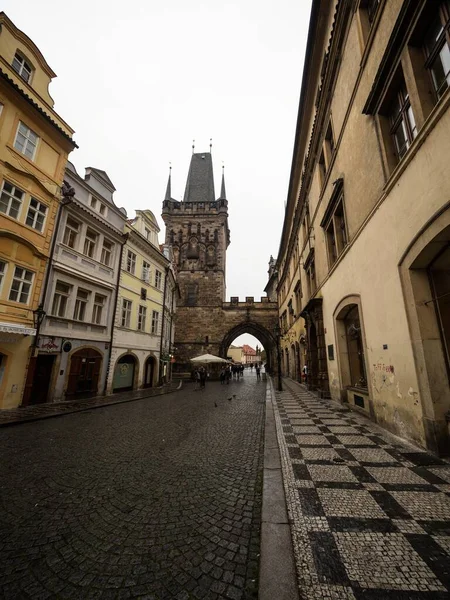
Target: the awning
(15, 328)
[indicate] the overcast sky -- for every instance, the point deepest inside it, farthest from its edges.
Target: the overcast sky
(139, 80)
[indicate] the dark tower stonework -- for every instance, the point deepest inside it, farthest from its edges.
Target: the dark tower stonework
(197, 230)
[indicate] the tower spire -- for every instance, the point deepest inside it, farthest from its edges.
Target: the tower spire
(193, 146)
(169, 184)
(223, 195)
(210, 145)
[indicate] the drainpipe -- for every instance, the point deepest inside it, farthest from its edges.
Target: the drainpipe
(119, 270)
(162, 325)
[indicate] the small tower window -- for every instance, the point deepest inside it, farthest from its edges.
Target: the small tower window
(22, 67)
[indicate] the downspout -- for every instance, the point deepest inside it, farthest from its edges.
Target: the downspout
(119, 271)
(162, 325)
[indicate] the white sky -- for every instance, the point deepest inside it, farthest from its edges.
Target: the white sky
(139, 80)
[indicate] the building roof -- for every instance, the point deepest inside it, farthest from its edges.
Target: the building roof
(200, 181)
(248, 350)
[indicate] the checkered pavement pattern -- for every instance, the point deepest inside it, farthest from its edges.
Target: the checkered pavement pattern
(370, 515)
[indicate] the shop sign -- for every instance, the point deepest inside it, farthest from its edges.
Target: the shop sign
(49, 344)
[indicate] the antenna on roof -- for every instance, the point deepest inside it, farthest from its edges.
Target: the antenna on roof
(210, 145)
(193, 146)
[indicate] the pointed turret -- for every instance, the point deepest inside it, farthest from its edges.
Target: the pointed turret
(223, 195)
(200, 181)
(168, 195)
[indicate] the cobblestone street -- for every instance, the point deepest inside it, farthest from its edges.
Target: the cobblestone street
(370, 515)
(157, 498)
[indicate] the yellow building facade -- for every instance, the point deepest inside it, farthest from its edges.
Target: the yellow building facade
(34, 146)
(138, 332)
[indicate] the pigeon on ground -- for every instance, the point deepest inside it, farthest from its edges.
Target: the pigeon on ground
(215, 404)
(230, 399)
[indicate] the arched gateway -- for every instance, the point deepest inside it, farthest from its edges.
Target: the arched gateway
(197, 230)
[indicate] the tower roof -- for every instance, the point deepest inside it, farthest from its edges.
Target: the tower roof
(200, 181)
(169, 186)
(223, 195)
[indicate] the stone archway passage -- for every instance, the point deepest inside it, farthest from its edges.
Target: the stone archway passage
(84, 373)
(266, 338)
(124, 370)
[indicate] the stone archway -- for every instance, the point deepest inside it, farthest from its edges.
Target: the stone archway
(266, 338)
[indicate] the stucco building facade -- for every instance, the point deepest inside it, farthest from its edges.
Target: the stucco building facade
(34, 146)
(138, 331)
(74, 342)
(365, 252)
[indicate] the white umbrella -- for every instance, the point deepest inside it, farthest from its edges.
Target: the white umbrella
(208, 358)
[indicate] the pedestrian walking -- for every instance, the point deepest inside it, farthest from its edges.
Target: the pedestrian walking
(305, 374)
(197, 379)
(258, 372)
(203, 375)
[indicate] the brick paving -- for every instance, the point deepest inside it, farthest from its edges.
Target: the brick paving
(370, 515)
(158, 498)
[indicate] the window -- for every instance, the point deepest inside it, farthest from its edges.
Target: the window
(22, 67)
(71, 232)
(436, 46)
(322, 169)
(36, 214)
(126, 312)
(402, 124)
(371, 7)
(80, 304)
(298, 297)
(26, 141)
(2, 272)
(60, 298)
(333, 223)
(105, 257)
(131, 262)
(143, 294)
(329, 142)
(90, 242)
(145, 271)
(142, 315)
(97, 312)
(310, 270)
(147, 233)
(21, 285)
(11, 200)
(102, 209)
(191, 294)
(158, 279)
(155, 319)
(94, 202)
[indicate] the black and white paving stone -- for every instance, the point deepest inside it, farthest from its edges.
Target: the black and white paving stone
(370, 515)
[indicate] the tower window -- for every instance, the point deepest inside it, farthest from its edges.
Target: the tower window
(22, 67)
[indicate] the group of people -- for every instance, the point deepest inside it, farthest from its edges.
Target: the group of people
(230, 371)
(199, 376)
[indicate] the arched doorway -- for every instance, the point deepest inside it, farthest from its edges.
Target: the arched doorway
(425, 272)
(313, 358)
(84, 372)
(149, 372)
(124, 373)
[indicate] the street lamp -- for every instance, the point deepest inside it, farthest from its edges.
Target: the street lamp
(277, 331)
(38, 316)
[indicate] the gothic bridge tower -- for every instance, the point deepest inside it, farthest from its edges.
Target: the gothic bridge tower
(197, 230)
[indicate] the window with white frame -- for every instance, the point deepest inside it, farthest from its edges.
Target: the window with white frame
(81, 302)
(436, 44)
(403, 126)
(97, 312)
(155, 320)
(131, 262)
(106, 255)
(126, 312)
(21, 285)
(26, 141)
(3, 266)
(145, 271)
(71, 232)
(90, 242)
(22, 67)
(36, 214)
(142, 316)
(11, 200)
(158, 279)
(60, 299)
